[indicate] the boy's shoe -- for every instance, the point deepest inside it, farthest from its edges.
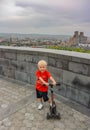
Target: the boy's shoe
(40, 106)
(50, 104)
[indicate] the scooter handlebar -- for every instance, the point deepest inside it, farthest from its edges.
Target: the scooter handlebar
(57, 84)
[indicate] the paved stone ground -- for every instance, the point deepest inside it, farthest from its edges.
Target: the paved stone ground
(18, 111)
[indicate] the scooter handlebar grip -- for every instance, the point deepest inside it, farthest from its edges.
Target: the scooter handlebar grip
(58, 84)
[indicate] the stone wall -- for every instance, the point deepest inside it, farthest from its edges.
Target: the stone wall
(72, 69)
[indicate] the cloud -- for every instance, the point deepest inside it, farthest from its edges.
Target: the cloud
(41, 15)
(8, 10)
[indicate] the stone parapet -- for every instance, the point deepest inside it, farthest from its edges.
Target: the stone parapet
(72, 69)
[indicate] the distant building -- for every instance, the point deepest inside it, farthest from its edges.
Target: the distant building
(82, 38)
(2, 39)
(78, 38)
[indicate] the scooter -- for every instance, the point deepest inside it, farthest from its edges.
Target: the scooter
(53, 110)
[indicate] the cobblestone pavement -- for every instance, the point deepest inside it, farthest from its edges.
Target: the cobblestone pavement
(18, 111)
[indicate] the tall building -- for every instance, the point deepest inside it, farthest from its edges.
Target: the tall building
(79, 38)
(82, 38)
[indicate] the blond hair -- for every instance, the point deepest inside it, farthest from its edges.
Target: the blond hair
(42, 62)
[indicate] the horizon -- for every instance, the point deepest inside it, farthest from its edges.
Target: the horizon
(33, 33)
(42, 34)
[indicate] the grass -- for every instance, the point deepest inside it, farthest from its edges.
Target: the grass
(76, 49)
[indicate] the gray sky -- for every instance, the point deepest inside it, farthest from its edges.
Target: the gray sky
(45, 16)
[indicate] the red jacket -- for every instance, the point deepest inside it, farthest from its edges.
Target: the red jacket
(45, 76)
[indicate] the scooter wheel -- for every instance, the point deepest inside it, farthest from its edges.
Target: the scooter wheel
(58, 116)
(48, 116)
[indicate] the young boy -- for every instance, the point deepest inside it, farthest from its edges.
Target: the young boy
(42, 76)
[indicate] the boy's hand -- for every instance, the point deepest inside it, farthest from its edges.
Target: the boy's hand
(47, 84)
(54, 83)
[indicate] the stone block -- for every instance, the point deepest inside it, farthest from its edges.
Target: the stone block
(61, 90)
(4, 62)
(9, 55)
(21, 57)
(76, 80)
(63, 56)
(9, 72)
(2, 54)
(29, 78)
(31, 68)
(14, 64)
(51, 62)
(1, 70)
(33, 79)
(89, 71)
(80, 60)
(71, 93)
(63, 64)
(56, 73)
(78, 68)
(21, 66)
(83, 98)
(21, 76)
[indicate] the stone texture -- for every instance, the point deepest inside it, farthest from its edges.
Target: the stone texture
(72, 69)
(21, 113)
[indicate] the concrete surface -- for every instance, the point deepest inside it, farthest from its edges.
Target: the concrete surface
(18, 110)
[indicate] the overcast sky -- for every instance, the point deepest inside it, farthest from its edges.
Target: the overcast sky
(45, 16)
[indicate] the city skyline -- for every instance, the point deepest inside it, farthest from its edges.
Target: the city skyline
(59, 17)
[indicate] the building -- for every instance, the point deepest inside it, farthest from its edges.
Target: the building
(79, 37)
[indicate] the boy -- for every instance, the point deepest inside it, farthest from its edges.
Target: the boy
(42, 76)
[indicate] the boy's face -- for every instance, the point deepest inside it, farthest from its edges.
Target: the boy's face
(42, 68)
